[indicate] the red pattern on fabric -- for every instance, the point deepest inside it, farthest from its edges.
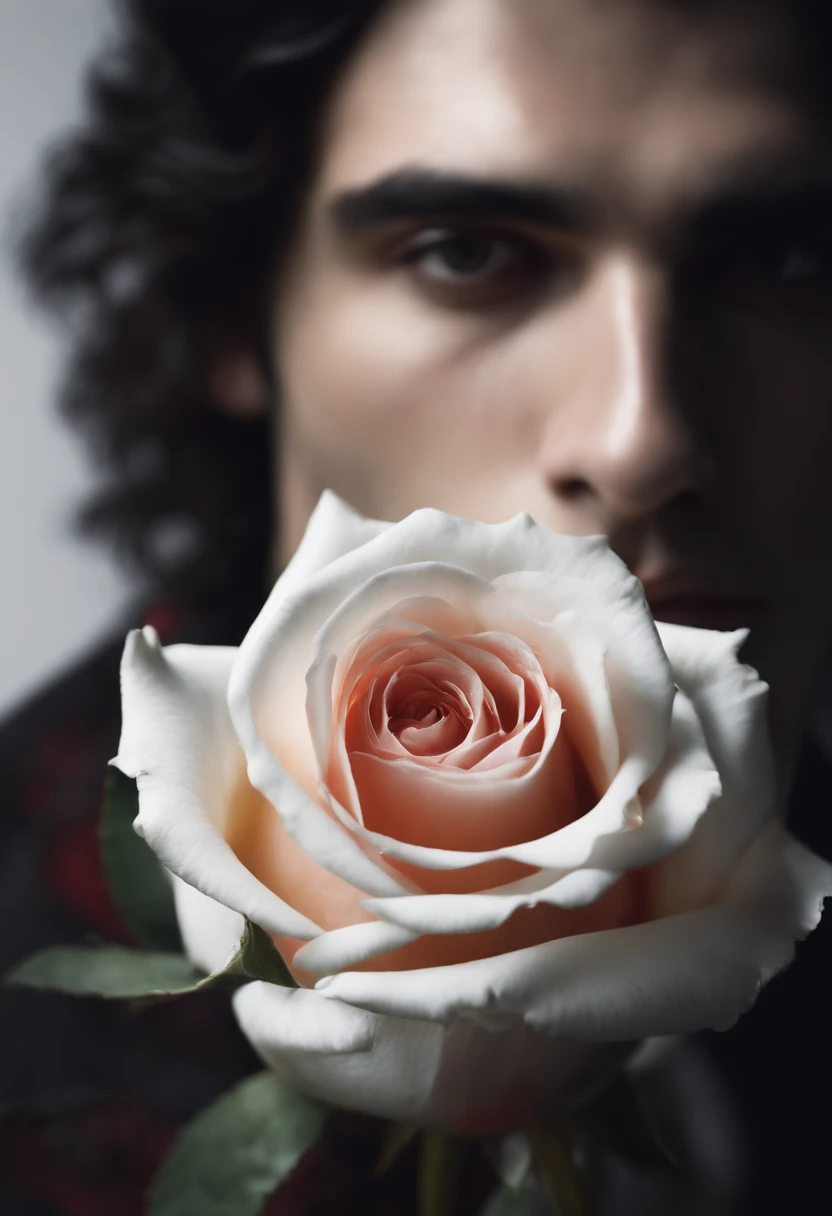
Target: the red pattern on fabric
(97, 1163)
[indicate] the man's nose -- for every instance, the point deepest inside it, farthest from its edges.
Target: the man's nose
(619, 448)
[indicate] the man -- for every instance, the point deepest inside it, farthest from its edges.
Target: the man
(564, 256)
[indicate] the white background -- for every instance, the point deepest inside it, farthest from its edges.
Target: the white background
(57, 595)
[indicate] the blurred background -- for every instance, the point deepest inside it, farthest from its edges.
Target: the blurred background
(57, 595)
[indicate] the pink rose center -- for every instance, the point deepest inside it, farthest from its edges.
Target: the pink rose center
(428, 720)
(454, 743)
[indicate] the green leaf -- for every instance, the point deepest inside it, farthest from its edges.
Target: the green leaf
(233, 1155)
(106, 971)
(118, 972)
(138, 886)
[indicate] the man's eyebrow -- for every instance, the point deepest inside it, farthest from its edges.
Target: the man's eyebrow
(424, 194)
(762, 179)
(808, 201)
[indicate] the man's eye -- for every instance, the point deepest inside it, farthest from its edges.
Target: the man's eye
(773, 264)
(461, 258)
(790, 263)
(475, 268)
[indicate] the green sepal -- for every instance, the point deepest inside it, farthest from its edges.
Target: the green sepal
(621, 1123)
(438, 1167)
(607, 1070)
(564, 1182)
(136, 881)
(117, 972)
(232, 1156)
(397, 1137)
(257, 958)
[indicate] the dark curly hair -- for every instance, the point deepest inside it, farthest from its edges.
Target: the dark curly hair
(157, 235)
(155, 239)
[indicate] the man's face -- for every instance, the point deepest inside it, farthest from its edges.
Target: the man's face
(572, 257)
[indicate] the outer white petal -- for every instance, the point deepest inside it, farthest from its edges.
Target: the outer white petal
(670, 976)
(178, 742)
(271, 686)
(378, 1065)
(210, 932)
(585, 652)
(730, 701)
(278, 1020)
(334, 529)
(457, 1078)
(637, 670)
(676, 798)
(309, 826)
(422, 914)
(353, 944)
(784, 879)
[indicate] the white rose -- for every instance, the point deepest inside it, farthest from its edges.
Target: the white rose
(502, 818)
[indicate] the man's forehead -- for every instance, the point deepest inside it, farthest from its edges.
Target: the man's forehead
(631, 97)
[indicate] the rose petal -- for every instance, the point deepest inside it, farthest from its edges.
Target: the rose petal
(377, 603)
(380, 1065)
(178, 742)
(363, 657)
(575, 666)
(675, 799)
(614, 810)
(533, 921)
(478, 912)
(261, 842)
(311, 828)
(414, 616)
(297, 1020)
(210, 932)
(460, 1078)
(730, 702)
(334, 529)
(670, 976)
(566, 849)
(350, 945)
(461, 808)
(639, 684)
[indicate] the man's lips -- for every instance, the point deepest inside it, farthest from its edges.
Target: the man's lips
(707, 611)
